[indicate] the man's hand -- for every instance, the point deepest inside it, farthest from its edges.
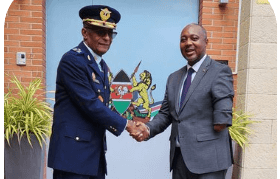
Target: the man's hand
(131, 127)
(143, 132)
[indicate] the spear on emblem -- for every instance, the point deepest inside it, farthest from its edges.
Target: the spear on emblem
(135, 70)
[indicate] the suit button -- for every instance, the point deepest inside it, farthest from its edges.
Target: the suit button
(77, 138)
(105, 87)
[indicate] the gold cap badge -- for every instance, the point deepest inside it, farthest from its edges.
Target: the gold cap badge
(105, 14)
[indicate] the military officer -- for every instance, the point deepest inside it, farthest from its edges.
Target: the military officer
(81, 114)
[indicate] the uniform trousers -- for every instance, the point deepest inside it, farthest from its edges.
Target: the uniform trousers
(180, 170)
(58, 174)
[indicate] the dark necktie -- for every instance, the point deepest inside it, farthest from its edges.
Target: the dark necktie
(102, 64)
(187, 85)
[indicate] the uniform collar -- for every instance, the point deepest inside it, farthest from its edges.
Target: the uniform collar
(95, 56)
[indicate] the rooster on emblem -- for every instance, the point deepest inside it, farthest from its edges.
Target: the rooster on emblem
(122, 91)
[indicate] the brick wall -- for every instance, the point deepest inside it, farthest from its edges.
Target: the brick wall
(24, 31)
(221, 23)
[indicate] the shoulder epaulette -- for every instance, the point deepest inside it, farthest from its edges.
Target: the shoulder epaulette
(78, 50)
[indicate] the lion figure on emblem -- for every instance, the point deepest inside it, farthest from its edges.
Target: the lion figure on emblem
(142, 88)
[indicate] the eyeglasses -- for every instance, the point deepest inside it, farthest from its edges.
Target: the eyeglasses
(102, 33)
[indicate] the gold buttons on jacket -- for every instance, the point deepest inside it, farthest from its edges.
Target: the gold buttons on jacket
(113, 129)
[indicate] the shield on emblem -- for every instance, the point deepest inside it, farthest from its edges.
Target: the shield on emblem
(121, 97)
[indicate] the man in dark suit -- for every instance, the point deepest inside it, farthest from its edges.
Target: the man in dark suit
(198, 103)
(81, 114)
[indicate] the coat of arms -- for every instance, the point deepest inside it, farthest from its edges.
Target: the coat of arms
(120, 92)
(133, 99)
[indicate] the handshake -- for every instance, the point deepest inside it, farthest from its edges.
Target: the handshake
(138, 130)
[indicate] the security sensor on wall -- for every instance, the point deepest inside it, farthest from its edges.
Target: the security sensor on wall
(223, 2)
(21, 58)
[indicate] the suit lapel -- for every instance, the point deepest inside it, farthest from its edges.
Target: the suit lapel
(199, 75)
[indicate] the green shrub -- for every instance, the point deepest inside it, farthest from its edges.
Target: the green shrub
(24, 114)
(239, 131)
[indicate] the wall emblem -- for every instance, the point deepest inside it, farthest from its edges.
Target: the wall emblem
(120, 92)
(133, 98)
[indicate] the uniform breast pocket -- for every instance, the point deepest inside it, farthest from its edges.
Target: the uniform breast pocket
(79, 135)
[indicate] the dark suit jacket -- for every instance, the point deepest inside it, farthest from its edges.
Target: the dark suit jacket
(208, 102)
(80, 118)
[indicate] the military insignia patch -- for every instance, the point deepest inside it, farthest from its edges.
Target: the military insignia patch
(100, 98)
(78, 50)
(94, 78)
